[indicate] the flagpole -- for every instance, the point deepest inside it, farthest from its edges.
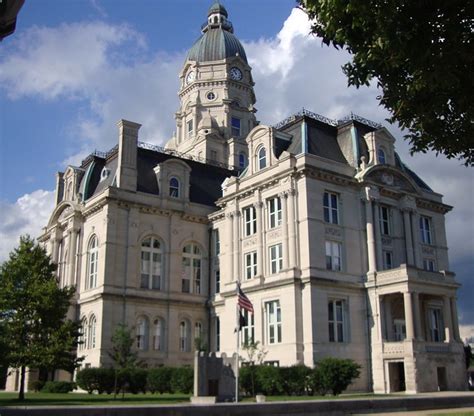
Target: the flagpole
(237, 317)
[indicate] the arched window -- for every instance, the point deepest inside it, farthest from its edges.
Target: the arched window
(381, 156)
(191, 273)
(197, 330)
(242, 160)
(184, 345)
(91, 332)
(174, 187)
(142, 333)
(92, 260)
(82, 344)
(151, 264)
(262, 158)
(158, 335)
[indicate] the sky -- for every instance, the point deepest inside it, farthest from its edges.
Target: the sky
(74, 68)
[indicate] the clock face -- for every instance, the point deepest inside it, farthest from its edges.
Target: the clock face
(190, 77)
(236, 74)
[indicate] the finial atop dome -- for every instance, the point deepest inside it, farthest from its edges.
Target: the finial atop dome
(217, 7)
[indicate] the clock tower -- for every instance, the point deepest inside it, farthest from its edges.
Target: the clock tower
(216, 96)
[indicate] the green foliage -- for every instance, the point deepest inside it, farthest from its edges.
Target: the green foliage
(469, 356)
(93, 379)
(58, 387)
(122, 353)
(421, 54)
(182, 380)
(159, 380)
(135, 379)
(334, 375)
(36, 385)
(34, 332)
(296, 380)
(268, 380)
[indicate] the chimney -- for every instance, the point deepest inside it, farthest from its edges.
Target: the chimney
(127, 155)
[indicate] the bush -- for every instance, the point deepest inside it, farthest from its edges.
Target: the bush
(334, 375)
(268, 380)
(58, 387)
(137, 378)
(36, 385)
(296, 380)
(100, 379)
(158, 380)
(182, 380)
(247, 380)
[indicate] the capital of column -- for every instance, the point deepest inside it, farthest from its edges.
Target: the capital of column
(408, 204)
(258, 205)
(283, 194)
(371, 193)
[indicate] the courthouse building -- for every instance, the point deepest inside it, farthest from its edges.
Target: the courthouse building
(338, 244)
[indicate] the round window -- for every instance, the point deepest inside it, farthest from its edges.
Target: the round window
(211, 96)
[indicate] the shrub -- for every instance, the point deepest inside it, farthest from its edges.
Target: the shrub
(158, 380)
(296, 380)
(247, 380)
(334, 375)
(268, 380)
(137, 378)
(182, 380)
(58, 387)
(86, 379)
(36, 385)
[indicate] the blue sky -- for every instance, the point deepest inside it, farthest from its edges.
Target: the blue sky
(73, 68)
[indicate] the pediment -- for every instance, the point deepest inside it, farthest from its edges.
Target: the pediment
(391, 179)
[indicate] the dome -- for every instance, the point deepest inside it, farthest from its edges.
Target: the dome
(218, 40)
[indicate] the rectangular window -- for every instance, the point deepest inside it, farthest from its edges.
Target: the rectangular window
(250, 265)
(276, 258)
(425, 230)
(273, 315)
(217, 277)
(217, 243)
(436, 325)
(186, 275)
(248, 328)
(384, 220)
(336, 318)
(399, 329)
(429, 265)
(213, 155)
(190, 127)
(250, 220)
(217, 328)
(331, 210)
(235, 122)
(274, 212)
(333, 255)
(387, 260)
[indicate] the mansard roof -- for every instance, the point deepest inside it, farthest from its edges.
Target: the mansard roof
(205, 180)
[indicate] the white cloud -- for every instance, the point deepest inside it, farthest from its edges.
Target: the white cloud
(25, 216)
(466, 332)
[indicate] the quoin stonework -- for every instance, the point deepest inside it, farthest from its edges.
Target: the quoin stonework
(340, 247)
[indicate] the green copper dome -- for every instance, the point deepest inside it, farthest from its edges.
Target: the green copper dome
(217, 40)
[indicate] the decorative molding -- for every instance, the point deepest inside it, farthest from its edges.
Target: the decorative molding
(249, 242)
(335, 232)
(271, 235)
(428, 250)
(386, 241)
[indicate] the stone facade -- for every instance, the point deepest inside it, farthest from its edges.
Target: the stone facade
(340, 247)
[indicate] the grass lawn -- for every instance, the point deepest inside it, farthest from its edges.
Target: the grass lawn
(67, 399)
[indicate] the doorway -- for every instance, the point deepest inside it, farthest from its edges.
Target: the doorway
(442, 378)
(396, 376)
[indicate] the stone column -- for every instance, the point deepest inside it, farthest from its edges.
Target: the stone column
(230, 260)
(260, 231)
(71, 261)
(292, 262)
(237, 245)
(408, 238)
(408, 315)
(454, 314)
(56, 237)
(378, 236)
(417, 316)
(416, 239)
(448, 323)
(371, 254)
(284, 217)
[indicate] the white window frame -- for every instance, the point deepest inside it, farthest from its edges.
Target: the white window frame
(250, 221)
(141, 333)
(250, 264)
(174, 190)
(198, 330)
(436, 324)
(274, 212)
(248, 331)
(158, 334)
(151, 264)
(337, 320)
(91, 328)
(261, 158)
(273, 322)
(399, 329)
(184, 336)
(331, 207)
(385, 220)
(276, 258)
(217, 279)
(381, 156)
(429, 265)
(426, 230)
(191, 273)
(92, 262)
(333, 255)
(83, 337)
(387, 257)
(190, 127)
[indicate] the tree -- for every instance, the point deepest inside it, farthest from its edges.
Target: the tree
(334, 375)
(422, 55)
(35, 331)
(123, 355)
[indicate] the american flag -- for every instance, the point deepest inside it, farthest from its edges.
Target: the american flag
(243, 301)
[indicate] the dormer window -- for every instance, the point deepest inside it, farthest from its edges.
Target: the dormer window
(104, 174)
(381, 156)
(174, 187)
(242, 161)
(262, 158)
(190, 128)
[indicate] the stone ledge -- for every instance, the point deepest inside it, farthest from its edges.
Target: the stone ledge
(203, 400)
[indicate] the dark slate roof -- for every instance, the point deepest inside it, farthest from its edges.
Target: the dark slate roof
(420, 182)
(216, 44)
(205, 180)
(217, 8)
